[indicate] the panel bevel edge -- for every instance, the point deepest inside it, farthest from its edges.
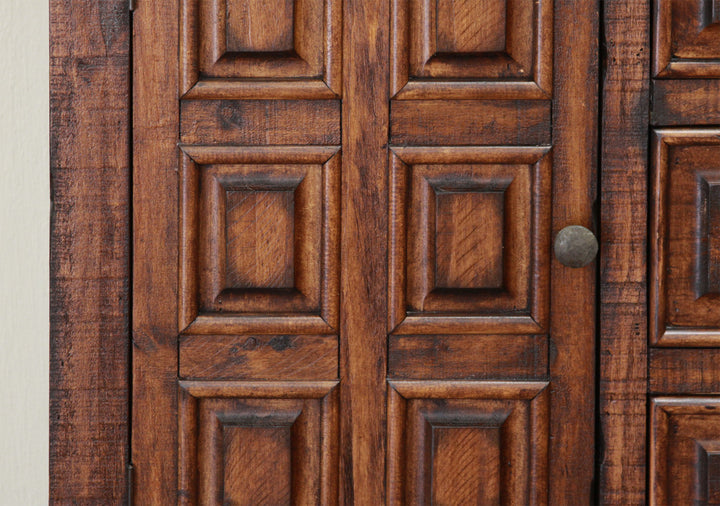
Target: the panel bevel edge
(664, 66)
(401, 322)
(192, 86)
(190, 320)
(660, 334)
(404, 88)
(400, 392)
(189, 392)
(661, 407)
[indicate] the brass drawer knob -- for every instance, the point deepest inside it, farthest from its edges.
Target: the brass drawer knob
(575, 246)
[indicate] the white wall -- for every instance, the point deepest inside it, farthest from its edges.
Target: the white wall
(24, 246)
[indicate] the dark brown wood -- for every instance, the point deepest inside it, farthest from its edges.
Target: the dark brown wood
(623, 268)
(684, 372)
(686, 102)
(684, 450)
(89, 251)
(572, 328)
(468, 357)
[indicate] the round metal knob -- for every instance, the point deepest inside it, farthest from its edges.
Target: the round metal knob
(575, 246)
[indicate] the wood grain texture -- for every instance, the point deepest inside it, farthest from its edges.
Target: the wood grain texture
(686, 43)
(258, 443)
(467, 440)
(572, 303)
(468, 357)
(155, 252)
(684, 372)
(469, 122)
(89, 251)
(266, 122)
(684, 450)
(685, 102)
(501, 49)
(471, 26)
(230, 49)
(623, 267)
(283, 357)
(683, 308)
(364, 225)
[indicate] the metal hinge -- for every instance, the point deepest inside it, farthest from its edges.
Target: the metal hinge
(131, 5)
(130, 476)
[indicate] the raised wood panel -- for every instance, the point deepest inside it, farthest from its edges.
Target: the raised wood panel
(467, 442)
(684, 297)
(497, 46)
(469, 235)
(260, 122)
(468, 357)
(471, 26)
(258, 26)
(258, 443)
(469, 122)
(236, 40)
(685, 450)
(687, 39)
(259, 357)
(259, 232)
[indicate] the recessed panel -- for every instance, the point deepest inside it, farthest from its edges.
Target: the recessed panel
(475, 231)
(685, 451)
(258, 443)
(486, 47)
(259, 233)
(687, 38)
(685, 301)
(467, 442)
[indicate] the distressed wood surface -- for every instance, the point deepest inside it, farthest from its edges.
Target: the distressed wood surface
(90, 251)
(364, 225)
(623, 288)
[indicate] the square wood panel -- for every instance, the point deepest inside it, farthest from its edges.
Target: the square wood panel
(250, 48)
(471, 48)
(258, 443)
(259, 233)
(687, 38)
(685, 238)
(467, 442)
(685, 451)
(469, 240)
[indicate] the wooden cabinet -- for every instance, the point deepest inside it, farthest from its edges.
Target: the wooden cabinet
(343, 285)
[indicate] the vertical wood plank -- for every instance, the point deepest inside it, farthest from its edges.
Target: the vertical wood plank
(623, 293)
(155, 251)
(572, 328)
(363, 334)
(89, 251)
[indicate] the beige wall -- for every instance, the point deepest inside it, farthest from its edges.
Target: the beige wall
(24, 223)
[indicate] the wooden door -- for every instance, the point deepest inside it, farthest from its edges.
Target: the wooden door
(343, 283)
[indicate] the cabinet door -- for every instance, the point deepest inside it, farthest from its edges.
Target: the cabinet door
(344, 285)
